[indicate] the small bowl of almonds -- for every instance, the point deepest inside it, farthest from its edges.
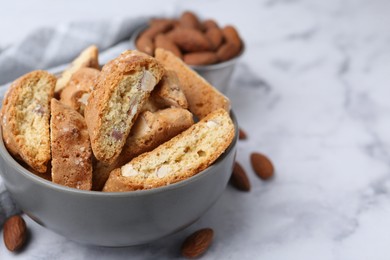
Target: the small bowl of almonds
(212, 51)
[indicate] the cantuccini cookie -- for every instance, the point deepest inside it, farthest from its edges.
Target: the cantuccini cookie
(25, 118)
(149, 131)
(87, 58)
(179, 158)
(167, 93)
(121, 89)
(201, 96)
(77, 91)
(71, 149)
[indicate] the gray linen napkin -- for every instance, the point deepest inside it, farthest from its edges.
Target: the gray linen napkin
(52, 49)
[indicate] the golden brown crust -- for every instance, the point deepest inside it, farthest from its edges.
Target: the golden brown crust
(87, 58)
(153, 129)
(25, 118)
(71, 149)
(10, 142)
(149, 131)
(201, 96)
(76, 92)
(123, 86)
(168, 92)
(179, 158)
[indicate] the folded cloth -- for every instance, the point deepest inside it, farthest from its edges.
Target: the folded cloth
(7, 205)
(52, 49)
(49, 47)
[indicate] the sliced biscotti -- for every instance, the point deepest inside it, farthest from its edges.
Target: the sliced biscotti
(71, 150)
(201, 96)
(122, 88)
(153, 129)
(167, 93)
(77, 91)
(179, 158)
(149, 131)
(87, 58)
(26, 114)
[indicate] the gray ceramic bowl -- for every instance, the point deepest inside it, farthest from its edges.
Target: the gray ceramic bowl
(116, 219)
(218, 75)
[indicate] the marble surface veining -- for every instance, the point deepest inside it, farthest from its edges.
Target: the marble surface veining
(312, 92)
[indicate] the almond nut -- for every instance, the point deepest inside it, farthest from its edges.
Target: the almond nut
(239, 179)
(162, 41)
(227, 51)
(190, 20)
(200, 58)
(231, 35)
(215, 36)
(197, 243)
(145, 44)
(209, 23)
(158, 26)
(14, 233)
(262, 166)
(190, 40)
(242, 134)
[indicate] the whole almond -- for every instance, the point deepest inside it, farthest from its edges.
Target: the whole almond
(227, 51)
(215, 36)
(231, 35)
(145, 44)
(158, 26)
(197, 243)
(239, 179)
(163, 22)
(209, 23)
(190, 40)
(242, 134)
(162, 41)
(190, 20)
(14, 233)
(262, 166)
(201, 58)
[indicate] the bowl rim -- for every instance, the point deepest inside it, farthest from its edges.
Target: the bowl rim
(91, 193)
(215, 66)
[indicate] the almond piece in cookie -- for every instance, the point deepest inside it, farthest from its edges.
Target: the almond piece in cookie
(71, 148)
(87, 58)
(122, 88)
(202, 98)
(77, 91)
(25, 118)
(149, 131)
(177, 159)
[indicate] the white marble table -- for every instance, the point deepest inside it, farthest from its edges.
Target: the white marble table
(312, 91)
